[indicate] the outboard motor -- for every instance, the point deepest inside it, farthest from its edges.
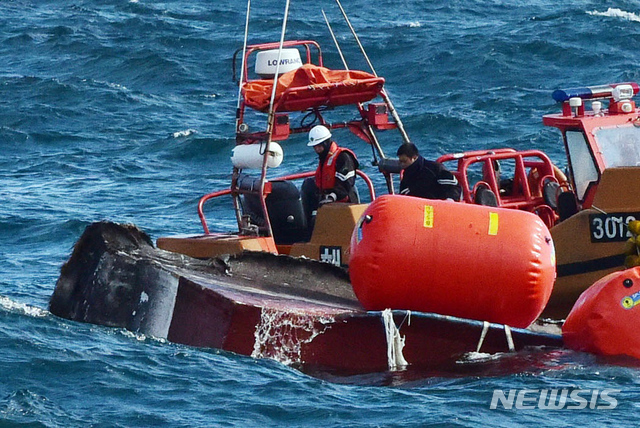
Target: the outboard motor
(288, 221)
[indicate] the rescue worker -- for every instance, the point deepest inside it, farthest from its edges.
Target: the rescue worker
(335, 176)
(424, 178)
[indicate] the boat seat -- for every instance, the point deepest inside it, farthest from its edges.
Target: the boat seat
(567, 205)
(550, 190)
(485, 196)
(309, 197)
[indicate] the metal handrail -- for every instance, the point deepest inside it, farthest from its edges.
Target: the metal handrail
(290, 177)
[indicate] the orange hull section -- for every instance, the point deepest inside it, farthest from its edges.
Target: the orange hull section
(450, 258)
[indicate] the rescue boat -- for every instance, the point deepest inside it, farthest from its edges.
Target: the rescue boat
(393, 299)
(272, 216)
(586, 209)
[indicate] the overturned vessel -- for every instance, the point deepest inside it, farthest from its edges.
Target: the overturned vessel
(258, 292)
(299, 312)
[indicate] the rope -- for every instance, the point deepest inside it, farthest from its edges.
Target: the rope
(407, 317)
(395, 343)
(485, 329)
(599, 210)
(507, 333)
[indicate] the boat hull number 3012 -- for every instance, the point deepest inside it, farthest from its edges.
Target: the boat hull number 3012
(611, 227)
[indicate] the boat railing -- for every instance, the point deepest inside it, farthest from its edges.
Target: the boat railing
(522, 189)
(267, 190)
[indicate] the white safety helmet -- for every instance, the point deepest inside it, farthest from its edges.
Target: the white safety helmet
(318, 134)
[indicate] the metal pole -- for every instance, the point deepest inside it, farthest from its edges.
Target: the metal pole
(386, 98)
(244, 52)
(346, 67)
(234, 196)
(271, 122)
(375, 142)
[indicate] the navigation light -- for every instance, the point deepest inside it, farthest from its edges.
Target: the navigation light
(629, 89)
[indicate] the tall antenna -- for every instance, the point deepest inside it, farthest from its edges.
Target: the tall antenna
(383, 93)
(271, 120)
(244, 52)
(335, 41)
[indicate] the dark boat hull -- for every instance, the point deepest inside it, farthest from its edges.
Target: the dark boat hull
(300, 312)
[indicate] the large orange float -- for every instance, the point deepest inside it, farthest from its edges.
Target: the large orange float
(604, 320)
(465, 260)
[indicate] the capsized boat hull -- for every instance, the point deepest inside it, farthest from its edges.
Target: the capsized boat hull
(300, 312)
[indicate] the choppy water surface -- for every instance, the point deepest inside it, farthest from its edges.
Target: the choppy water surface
(124, 110)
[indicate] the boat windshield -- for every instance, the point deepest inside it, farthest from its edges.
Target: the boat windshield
(583, 164)
(620, 145)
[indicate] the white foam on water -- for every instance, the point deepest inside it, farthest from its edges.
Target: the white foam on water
(280, 335)
(614, 12)
(478, 357)
(22, 308)
(185, 133)
(137, 336)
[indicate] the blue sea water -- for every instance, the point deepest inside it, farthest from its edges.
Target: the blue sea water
(124, 110)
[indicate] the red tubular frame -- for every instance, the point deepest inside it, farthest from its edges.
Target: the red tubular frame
(523, 198)
(298, 176)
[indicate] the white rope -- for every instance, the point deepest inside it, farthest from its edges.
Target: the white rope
(485, 329)
(395, 343)
(507, 332)
(598, 209)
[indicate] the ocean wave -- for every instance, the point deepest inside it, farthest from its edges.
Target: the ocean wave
(21, 308)
(185, 133)
(614, 12)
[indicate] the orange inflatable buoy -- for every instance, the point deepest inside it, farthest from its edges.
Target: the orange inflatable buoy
(464, 260)
(604, 319)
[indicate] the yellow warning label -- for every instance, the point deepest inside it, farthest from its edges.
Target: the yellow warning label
(493, 223)
(428, 216)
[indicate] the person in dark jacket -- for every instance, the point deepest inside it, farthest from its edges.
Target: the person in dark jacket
(335, 176)
(336, 173)
(424, 178)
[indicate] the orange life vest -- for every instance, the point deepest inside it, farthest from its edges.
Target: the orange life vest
(326, 172)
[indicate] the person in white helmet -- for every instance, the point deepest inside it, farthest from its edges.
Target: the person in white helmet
(336, 173)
